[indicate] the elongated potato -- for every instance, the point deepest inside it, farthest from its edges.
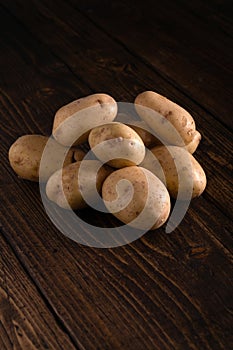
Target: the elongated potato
(136, 197)
(148, 135)
(192, 146)
(178, 169)
(65, 189)
(170, 121)
(117, 144)
(26, 152)
(151, 141)
(73, 122)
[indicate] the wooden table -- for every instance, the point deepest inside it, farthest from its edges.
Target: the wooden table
(161, 291)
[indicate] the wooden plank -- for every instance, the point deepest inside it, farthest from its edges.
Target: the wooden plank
(193, 56)
(27, 60)
(163, 291)
(25, 321)
(217, 14)
(217, 165)
(160, 292)
(116, 72)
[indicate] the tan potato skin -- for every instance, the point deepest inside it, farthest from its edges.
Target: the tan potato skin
(151, 141)
(192, 146)
(141, 128)
(175, 114)
(66, 193)
(79, 154)
(25, 157)
(155, 210)
(179, 162)
(122, 143)
(73, 122)
(148, 138)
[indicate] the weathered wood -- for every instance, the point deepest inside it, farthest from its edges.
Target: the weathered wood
(25, 320)
(193, 55)
(160, 292)
(173, 288)
(215, 151)
(216, 14)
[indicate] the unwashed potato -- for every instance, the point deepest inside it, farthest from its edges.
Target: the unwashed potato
(141, 128)
(117, 144)
(192, 145)
(177, 169)
(136, 197)
(165, 118)
(26, 152)
(148, 135)
(79, 154)
(151, 141)
(73, 122)
(65, 189)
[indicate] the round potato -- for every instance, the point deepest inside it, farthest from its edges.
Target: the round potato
(136, 197)
(178, 169)
(141, 128)
(26, 152)
(79, 154)
(117, 144)
(65, 189)
(172, 123)
(73, 122)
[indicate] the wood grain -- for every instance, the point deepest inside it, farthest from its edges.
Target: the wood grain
(26, 322)
(160, 292)
(216, 14)
(215, 151)
(188, 52)
(202, 70)
(176, 287)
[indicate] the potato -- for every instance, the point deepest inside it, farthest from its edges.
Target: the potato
(136, 197)
(26, 152)
(64, 188)
(141, 128)
(73, 122)
(178, 169)
(150, 140)
(165, 118)
(148, 136)
(117, 142)
(79, 154)
(192, 146)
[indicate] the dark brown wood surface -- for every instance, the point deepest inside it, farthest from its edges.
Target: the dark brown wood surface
(161, 291)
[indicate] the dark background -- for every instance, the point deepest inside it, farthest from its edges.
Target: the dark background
(162, 291)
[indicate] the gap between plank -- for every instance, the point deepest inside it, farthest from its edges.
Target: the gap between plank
(148, 65)
(139, 58)
(20, 23)
(57, 319)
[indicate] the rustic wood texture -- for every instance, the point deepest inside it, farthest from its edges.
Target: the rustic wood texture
(186, 49)
(117, 65)
(26, 321)
(162, 291)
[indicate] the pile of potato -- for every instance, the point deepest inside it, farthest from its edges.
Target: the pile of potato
(137, 165)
